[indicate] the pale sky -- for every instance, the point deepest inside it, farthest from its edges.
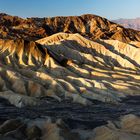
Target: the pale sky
(111, 9)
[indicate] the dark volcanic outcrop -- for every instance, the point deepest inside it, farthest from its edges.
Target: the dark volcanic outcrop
(91, 26)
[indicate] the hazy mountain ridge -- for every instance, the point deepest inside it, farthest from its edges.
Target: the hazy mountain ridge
(129, 23)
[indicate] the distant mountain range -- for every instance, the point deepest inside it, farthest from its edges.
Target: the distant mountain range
(129, 23)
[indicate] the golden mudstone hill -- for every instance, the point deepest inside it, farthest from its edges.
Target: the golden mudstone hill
(68, 66)
(91, 26)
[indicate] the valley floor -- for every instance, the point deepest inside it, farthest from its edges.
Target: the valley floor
(75, 119)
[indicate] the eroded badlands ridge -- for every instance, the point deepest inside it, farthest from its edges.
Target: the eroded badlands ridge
(91, 26)
(72, 77)
(70, 66)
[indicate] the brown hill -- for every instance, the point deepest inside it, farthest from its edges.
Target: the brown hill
(91, 26)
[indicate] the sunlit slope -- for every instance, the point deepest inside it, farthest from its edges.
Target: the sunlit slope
(68, 66)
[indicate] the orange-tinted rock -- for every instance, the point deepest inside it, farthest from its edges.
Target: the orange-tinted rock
(91, 26)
